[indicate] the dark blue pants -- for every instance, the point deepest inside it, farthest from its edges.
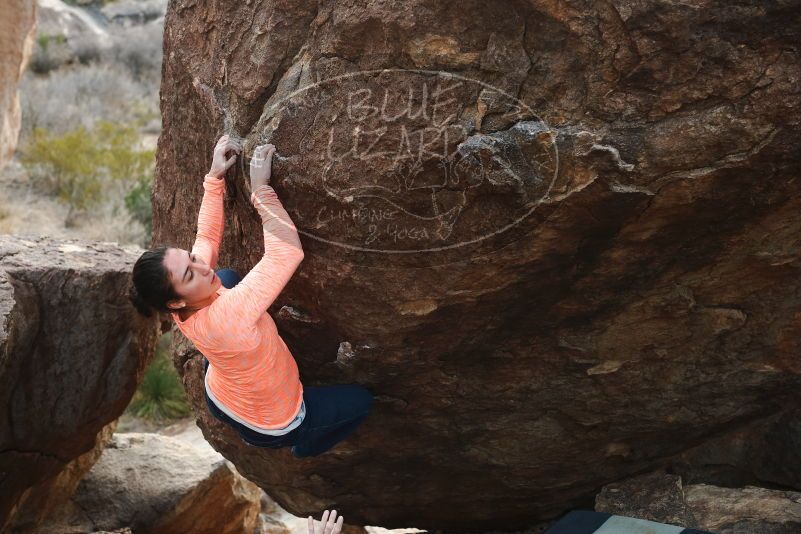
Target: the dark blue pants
(332, 412)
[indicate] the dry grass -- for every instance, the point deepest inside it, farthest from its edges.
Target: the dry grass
(25, 210)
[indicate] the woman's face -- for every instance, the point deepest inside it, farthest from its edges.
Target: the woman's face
(191, 278)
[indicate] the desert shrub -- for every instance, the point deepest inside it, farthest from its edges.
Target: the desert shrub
(139, 50)
(138, 204)
(81, 95)
(44, 39)
(85, 166)
(86, 49)
(49, 52)
(160, 395)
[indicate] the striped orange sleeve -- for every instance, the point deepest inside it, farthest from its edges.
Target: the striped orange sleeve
(210, 220)
(240, 307)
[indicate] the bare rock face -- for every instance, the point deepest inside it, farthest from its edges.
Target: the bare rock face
(662, 497)
(559, 241)
(44, 500)
(72, 351)
(764, 452)
(154, 483)
(17, 28)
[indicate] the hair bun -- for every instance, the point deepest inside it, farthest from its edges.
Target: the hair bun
(136, 299)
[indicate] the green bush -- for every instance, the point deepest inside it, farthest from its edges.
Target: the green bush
(83, 167)
(45, 39)
(137, 202)
(161, 395)
(49, 52)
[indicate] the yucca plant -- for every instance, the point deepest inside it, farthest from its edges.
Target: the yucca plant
(161, 395)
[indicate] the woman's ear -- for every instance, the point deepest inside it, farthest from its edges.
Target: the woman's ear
(176, 304)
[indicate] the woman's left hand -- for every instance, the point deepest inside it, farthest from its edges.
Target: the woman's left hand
(329, 524)
(219, 163)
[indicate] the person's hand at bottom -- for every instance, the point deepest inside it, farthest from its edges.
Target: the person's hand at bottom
(328, 524)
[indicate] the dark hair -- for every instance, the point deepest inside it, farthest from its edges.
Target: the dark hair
(151, 288)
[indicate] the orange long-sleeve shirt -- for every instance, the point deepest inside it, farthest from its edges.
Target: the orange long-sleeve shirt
(251, 371)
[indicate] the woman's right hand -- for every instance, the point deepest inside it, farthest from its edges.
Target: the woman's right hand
(219, 163)
(261, 165)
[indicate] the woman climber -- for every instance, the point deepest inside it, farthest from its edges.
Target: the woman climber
(251, 378)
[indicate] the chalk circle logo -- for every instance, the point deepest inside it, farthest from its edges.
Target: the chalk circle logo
(408, 161)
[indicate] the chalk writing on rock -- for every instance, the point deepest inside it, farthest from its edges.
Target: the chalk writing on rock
(412, 160)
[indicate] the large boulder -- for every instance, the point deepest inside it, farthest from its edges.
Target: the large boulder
(72, 351)
(558, 240)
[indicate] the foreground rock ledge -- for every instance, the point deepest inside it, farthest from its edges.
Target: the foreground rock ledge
(664, 498)
(649, 302)
(72, 351)
(171, 487)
